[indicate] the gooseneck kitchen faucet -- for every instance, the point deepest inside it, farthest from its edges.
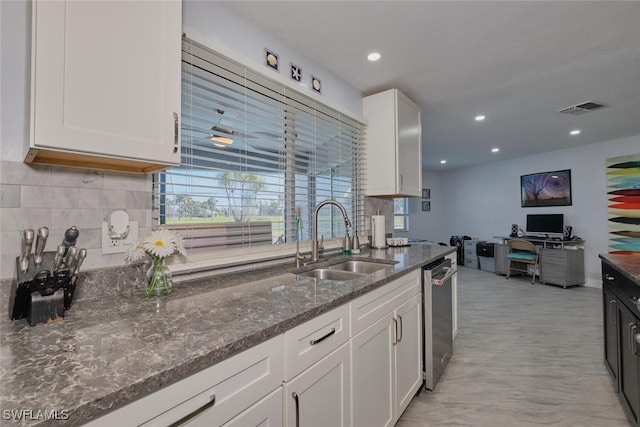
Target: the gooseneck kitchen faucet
(314, 242)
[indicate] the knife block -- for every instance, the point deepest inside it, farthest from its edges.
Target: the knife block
(27, 302)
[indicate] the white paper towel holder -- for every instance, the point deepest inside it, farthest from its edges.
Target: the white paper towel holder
(374, 243)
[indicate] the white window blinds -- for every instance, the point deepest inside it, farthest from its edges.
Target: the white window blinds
(257, 157)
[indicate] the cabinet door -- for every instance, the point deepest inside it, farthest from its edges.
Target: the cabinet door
(265, 413)
(372, 363)
(393, 145)
(320, 396)
(610, 320)
(106, 78)
(409, 158)
(408, 353)
(629, 362)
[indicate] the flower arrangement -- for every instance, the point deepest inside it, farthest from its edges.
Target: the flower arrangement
(158, 245)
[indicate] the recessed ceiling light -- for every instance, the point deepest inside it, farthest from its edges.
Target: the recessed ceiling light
(374, 56)
(442, 162)
(480, 118)
(575, 132)
(495, 150)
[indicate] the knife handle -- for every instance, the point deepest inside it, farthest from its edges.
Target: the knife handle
(72, 254)
(57, 260)
(82, 254)
(70, 236)
(25, 250)
(41, 242)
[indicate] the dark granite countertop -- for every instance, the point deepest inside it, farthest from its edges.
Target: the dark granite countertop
(111, 351)
(628, 265)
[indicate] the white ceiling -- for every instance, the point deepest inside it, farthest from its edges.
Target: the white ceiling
(515, 62)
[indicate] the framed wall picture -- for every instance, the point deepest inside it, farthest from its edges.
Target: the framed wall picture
(426, 193)
(426, 206)
(546, 189)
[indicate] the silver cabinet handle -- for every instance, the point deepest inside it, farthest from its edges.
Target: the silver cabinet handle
(395, 335)
(188, 417)
(175, 132)
(322, 338)
(633, 342)
(297, 401)
(401, 181)
(612, 317)
(609, 277)
(630, 336)
(401, 329)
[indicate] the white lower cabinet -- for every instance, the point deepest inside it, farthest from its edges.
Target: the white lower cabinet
(372, 372)
(408, 353)
(386, 357)
(320, 396)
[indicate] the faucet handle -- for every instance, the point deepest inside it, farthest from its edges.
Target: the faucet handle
(321, 244)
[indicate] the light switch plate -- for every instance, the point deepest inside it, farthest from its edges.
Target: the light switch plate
(112, 246)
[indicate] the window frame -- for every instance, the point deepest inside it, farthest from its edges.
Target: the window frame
(404, 215)
(243, 255)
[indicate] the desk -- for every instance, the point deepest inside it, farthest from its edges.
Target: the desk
(561, 261)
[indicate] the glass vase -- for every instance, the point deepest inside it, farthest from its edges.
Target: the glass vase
(159, 280)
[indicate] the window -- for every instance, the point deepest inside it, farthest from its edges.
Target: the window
(401, 214)
(257, 157)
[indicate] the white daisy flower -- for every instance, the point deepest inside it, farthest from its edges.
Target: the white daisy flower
(161, 243)
(135, 253)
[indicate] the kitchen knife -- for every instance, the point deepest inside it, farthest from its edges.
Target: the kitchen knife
(41, 242)
(70, 237)
(70, 261)
(82, 254)
(57, 260)
(27, 242)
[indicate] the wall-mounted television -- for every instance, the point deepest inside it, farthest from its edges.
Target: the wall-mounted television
(545, 223)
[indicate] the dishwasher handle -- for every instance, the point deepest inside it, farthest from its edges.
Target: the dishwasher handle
(449, 271)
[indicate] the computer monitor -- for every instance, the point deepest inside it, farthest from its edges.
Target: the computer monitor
(545, 223)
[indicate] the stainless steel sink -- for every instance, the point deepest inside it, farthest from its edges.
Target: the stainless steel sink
(360, 267)
(327, 274)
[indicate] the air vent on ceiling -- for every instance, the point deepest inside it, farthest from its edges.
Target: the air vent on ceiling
(583, 108)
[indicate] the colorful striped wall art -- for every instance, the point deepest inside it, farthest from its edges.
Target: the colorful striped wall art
(623, 202)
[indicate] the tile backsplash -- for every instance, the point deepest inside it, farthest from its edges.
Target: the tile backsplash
(32, 196)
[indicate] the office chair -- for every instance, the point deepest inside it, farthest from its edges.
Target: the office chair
(522, 251)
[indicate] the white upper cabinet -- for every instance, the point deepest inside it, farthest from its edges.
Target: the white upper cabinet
(105, 89)
(394, 151)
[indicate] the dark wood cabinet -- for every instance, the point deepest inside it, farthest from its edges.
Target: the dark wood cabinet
(629, 367)
(610, 322)
(621, 321)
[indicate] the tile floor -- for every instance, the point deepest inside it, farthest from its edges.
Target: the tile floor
(524, 356)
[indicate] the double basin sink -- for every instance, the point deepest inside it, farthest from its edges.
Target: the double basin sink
(348, 270)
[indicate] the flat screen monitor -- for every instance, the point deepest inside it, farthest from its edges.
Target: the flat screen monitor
(545, 223)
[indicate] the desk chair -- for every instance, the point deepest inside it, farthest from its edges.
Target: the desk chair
(522, 251)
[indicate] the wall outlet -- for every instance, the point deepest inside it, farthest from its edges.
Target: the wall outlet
(115, 246)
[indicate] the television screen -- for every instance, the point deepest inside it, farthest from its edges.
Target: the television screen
(545, 223)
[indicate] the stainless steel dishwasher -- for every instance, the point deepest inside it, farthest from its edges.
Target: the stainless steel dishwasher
(438, 319)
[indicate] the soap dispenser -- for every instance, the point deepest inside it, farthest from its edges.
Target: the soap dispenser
(346, 245)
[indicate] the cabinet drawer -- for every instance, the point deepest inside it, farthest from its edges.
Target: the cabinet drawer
(471, 261)
(553, 256)
(236, 383)
(367, 309)
(307, 343)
